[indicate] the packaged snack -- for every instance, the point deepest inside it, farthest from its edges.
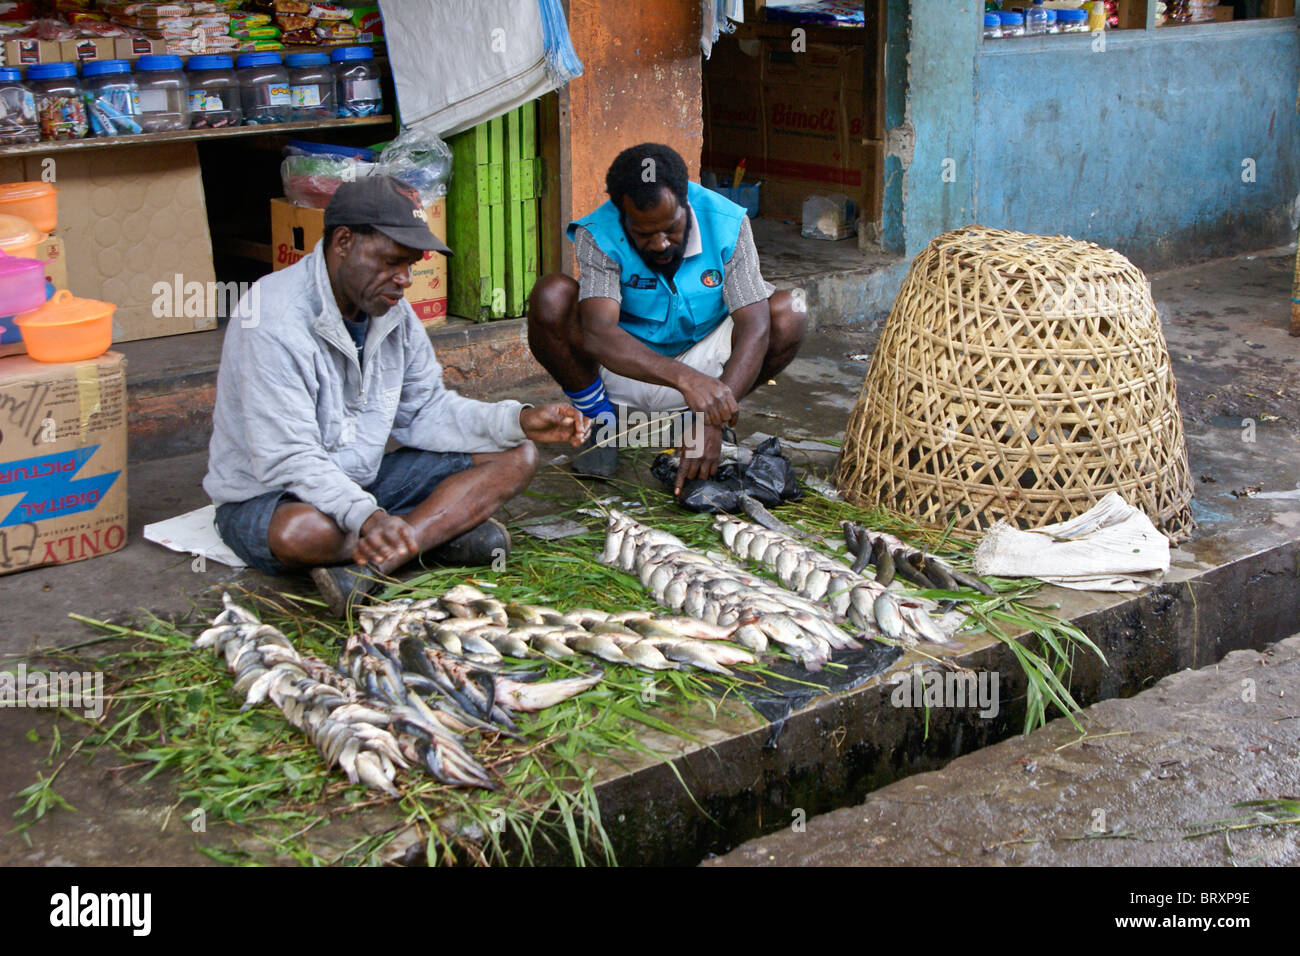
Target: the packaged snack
(269, 32)
(336, 31)
(247, 21)
(255, 46)
(329, 11)
(292, 6)
(291, 22)
(368, 20)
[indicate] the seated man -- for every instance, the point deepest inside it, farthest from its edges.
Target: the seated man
(331, 363)
(670, 311)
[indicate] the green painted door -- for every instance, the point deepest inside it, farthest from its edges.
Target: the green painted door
(492, 217)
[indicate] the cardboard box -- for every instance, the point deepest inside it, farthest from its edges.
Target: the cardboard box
(1277, 8)
(132, 219)
(798, 119)
(62, 460)
(128, 48)
(1222, 13)
(26, 52)
(295, 230)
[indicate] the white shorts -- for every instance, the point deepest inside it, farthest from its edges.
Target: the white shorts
(709, 355)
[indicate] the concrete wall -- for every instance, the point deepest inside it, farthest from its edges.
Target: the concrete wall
(641, 82)
(1139, 147)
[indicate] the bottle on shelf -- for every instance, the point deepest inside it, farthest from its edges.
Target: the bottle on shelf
(1036, 20)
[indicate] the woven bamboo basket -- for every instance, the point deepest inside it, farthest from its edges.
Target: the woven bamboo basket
(1019, 377)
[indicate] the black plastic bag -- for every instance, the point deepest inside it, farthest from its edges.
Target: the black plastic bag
(768, 478)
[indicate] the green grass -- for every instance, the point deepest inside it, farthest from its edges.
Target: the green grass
(171, 710)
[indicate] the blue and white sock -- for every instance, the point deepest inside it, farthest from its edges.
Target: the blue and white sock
(594, 403)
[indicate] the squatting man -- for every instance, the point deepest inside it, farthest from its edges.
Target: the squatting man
(332, 365)
(670, 311)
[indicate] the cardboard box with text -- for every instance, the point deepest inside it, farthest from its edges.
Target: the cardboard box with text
(295, 230)
(62, 460)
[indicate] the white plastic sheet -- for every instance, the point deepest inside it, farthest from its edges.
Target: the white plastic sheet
(457, 64)
(194, 532)
(1110, 547)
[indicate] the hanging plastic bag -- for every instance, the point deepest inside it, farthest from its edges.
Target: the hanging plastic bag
(421, 160)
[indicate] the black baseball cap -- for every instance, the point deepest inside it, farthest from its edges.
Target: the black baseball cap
(388, 205)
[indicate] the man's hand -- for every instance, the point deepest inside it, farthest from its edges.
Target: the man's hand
(555, 423)
(710, 398)
(386, 541)
(702, 464)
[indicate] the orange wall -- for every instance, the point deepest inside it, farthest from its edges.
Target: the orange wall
(640, 83)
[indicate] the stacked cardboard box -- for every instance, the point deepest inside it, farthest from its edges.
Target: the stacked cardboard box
(62, 460)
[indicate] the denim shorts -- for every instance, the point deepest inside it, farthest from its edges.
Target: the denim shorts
(406, 477)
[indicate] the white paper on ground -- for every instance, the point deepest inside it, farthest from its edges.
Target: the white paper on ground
(1111, 547)
(194, 532)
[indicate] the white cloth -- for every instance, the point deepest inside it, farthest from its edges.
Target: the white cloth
(709, 355)
(1110, 547)
(456, 64)
(194, 532)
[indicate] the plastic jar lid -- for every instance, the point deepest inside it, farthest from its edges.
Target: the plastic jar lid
(10, 74)
(1071, 16)
(307, 59)
(105, 67)
(13, 192)
(212, 61)
(992, 20)
(258, 59)
(158, 61)
(51, 71)
(1012, 19)
(65, 309)
(1051, 15)
(352, 53)
(17, 231)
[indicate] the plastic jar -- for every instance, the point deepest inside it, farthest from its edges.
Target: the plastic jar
(1072, 21)
(112, 98)
(1053, 25)
(17, 109)
(164, 93)
(264, 88)
(60, 112)
(357, 81)
(214, 92)
(992, 26)
(311, 86)
(1013, 24)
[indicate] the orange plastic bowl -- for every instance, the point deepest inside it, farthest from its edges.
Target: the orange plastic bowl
(36, 202)
(67, 329)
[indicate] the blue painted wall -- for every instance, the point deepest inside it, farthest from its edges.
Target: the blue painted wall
(1139, 147)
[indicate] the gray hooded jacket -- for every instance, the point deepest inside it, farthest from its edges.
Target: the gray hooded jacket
(296, 412)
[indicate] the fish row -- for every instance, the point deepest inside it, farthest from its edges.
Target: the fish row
(483, 630)
(719, 592)
(868, 605)
(892, 556)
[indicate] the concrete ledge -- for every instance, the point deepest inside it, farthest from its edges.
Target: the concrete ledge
(839, 749)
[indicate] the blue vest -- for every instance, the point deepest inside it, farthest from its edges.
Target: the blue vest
(671, 322)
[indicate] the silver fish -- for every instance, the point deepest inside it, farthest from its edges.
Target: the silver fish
(888, 616)
(646, 655)
(750, 637)
(529, 698)
(602, 647)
